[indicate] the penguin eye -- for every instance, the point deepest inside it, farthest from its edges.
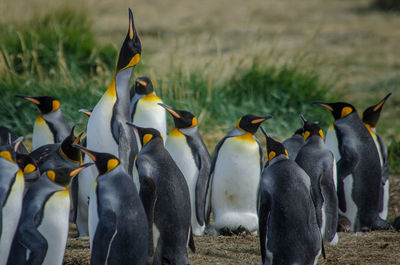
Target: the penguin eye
(29, 169)
(271, 155)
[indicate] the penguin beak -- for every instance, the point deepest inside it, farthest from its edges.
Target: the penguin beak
(383, 101)
(143, 83)
(264, 132)
(79, 169)
(261, 119)
(85, 111)
(31, 99)
(132, 32)
(135, 128)
(303, 119)
(17, 142)
(323, 104)
(170, 110)
(86, 151)
(78, 139)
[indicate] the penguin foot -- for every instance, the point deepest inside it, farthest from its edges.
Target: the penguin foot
(344, 224)
(381, 224)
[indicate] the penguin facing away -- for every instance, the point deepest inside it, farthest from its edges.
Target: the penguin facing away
(234, 177)
(50, 126)
(166, 199)
(11, 195)
(359, 171)
(117, 221)
(289, 232)
(29, 169)
(188, 150)
(43, 227)
(294, 143)
(370, 118)
(320, 165)
(107, 130)
(145, 109)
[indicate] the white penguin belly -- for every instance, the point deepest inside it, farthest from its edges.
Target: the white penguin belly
(93, 213)
(235, 184)
(99, 134)
(351, 207)
(384, 212)
(54, 226)
(149, 114)
(182, 155)
(10, 216)
(41, 134)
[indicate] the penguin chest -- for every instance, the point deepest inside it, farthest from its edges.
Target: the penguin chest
(93, 213)
(42, 134)
(99, 129)
(54, 226)
(148, 114)
(11, 212)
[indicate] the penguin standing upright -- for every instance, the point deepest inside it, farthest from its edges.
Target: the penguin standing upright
(107, 130)
(320, 165)
(359, 172)
(43, 228)
(370, 118)
(11, 195)
(294, 143)
(145, 109)
(166, 199)
(117, 220)
(234, 177)
(50, 126)
(289, 233)
(188, 150)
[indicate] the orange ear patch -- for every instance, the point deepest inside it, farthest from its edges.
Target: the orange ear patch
(271, 155)
(111, 164)
(346, 111)
(51, 175)
(306, 135)
(147, 138)
(29, 169)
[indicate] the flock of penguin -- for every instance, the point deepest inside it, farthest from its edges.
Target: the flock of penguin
(141, 195)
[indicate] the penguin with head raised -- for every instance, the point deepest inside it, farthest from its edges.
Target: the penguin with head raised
(166, 199)
(235, 176)
(7, 137)
(145, 109)
(11, 195)
(107, 130)
(359, 172)
(117, 221)
(320, 165)
(370, 118)
(294, 143)
(43, 227)
(50, 126)
(289, 232)
(188, 150)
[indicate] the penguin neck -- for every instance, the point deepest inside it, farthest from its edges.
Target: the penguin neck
(372, 130)
(152, 143)
(122, 79)
(277, 159)
(315, 139)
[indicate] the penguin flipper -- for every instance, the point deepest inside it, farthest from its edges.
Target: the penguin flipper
(261, 153)
(148, 196)
(201, 188)
(34, 241)
(384, 152)
(265, 207)
(74, 187)
(105, 231)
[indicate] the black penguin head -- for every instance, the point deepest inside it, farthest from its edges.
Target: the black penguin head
(62, 175)
(28, 167)
(131, 49)
(45, 104)
(143, 86)
(146, 134)
(182, 119)
(339, 109)
(250, 123)
(371, 115)
(8, 151)
(68, 150)
(310, 129)
(87, 112)
(274, 148)
(299, 131)
(104, 162)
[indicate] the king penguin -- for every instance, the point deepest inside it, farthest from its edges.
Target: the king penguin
(370, 118)
(294, 143)
(43, 228)
(7, 137)
(166, 199)
(289, 232)
(29, 169)
(145, 109)
(107, 130)
(320, 165)
(359, 172)
(11, 195)
(235, 176)
(50, 126)
(117, 221)
(189, 152)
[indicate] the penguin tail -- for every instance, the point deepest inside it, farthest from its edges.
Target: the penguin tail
(191, 241)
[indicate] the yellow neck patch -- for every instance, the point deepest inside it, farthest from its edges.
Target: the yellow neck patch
(51, 175)
(40, 120)
(346, 111)
(369, 129)
(29, 169)
(111, 164)
(111, 88)
(286, 153)
(306, 135)
(7, 156)
(176, 133)
(146, 138)
(321, 133)
(150, 97)
(246, 137)
(271, 155)
(134, 61)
